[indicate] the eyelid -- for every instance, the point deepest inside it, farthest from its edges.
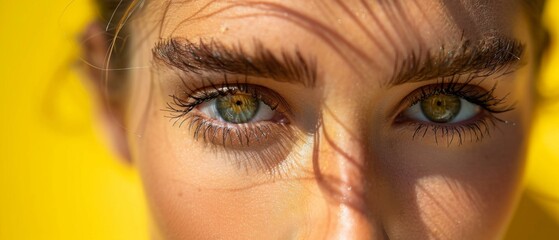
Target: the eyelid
(469, 91)
(261, 146)
(415, 113)
(191, 99)
(188, 97)
(476, 127)
(269, 108)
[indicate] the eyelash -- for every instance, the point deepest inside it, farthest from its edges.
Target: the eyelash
(270, 142)
(476, 128)
(179, 107)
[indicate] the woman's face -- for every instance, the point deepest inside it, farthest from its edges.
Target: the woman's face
(330, 119)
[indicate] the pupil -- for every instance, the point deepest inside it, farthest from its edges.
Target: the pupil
(239, 103)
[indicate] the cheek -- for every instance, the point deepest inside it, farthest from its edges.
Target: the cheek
(465, 192)
(196, 194)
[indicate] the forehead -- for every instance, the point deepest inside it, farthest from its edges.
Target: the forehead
(368, 30)
(368, 38)
(426, 17)
(389, 26)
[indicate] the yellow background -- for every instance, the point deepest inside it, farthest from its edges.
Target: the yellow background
(58, 180)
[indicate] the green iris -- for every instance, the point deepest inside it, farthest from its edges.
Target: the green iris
(441, 108)
(238, 108)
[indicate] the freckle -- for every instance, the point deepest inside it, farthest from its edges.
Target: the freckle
(180, 194)
(199, 190)
(223, 29)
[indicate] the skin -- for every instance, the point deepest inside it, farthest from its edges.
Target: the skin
(358, 175)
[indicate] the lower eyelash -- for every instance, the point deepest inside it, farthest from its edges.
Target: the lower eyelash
(238, 135)
(265, 147)
(474, 131)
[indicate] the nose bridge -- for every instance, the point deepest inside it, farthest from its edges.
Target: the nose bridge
(342, 158)
(340, 162)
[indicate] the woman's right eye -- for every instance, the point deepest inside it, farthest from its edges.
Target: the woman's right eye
(233, 115)
(250, 122)
(237, 108)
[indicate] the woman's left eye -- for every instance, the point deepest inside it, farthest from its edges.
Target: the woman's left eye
(237, 108)
(442, 108)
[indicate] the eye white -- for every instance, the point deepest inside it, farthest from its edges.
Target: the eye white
(467, 111)
(264, 113)
(208, 108)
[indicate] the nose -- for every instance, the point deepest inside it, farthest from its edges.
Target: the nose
(342, 168)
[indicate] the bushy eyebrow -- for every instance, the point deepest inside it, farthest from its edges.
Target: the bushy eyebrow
(482, 58)
(214, 56)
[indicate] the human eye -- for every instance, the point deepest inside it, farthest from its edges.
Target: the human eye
(248, 121)
(235, 106)
(231, 115)
(453, 111)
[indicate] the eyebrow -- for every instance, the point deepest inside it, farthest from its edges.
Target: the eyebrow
(480, 58)
(214, 56)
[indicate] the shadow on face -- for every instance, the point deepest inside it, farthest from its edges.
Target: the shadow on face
(330, 119)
